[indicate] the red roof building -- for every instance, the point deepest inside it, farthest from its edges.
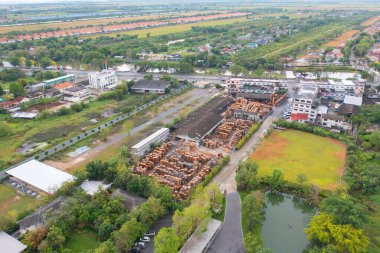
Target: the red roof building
(298, 116)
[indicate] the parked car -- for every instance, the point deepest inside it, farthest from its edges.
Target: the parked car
(140, 244)
(150, 233)
(135, 250)
(145, 239)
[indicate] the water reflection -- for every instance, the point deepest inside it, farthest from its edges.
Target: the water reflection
(286, 217)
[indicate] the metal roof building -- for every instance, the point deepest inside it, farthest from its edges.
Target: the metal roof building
(8, 244)
(40, 176)
(143, 146)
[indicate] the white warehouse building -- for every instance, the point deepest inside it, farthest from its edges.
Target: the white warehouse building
(144, 146)
(107, 79)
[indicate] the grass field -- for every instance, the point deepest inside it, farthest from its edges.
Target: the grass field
(371, 21)
(82, 240)
(342, 38)
(321, 159)
(173, 29)
(11, 200)
(54, 129)
(93, 22)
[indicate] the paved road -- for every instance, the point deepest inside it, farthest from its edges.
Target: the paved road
(200, 95)
(230, 237)
(161, 223)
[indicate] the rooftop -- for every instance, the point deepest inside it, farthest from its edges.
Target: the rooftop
(63, 85)
(91, 187)
(151, 84)
(59, 78)
(333, 117)
(150, 138)
(199, 122)
(352, 100)
(10, 244)
(40, 175)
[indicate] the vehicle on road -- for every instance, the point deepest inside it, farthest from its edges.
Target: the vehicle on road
(150, 233)
(140, 244)
(135, 250)
(145, 239)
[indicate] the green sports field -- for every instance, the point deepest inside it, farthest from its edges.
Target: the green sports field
(293, 152)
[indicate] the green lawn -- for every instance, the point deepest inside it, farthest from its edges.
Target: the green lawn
(11, 200)
(82, 239)
(321, 159)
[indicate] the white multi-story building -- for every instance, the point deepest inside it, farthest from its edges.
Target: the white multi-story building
(337, 89)
(336, 123)
(107, 79)
(234, 85)
(304, 108)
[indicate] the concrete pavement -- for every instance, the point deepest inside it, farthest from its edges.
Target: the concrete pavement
(230, 237)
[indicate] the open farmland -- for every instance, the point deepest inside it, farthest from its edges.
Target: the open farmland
(174, 29)
(92, 22)
(342, 38)
(11, 200)
(371, 21)
(295, 153)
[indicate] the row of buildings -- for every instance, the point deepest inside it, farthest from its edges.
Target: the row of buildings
(328, 104)
(113, 28)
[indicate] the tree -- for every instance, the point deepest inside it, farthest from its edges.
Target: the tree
(45, 62)
(344, 210)
(128, 234)
(16, 89)
(97, 169)
(344, 237)
(2, 92)
(148, 77)
(277, 179)
(167, 90)
(105, 230)
(33, 238)
(246, 176)
(166, 241)
(55, 238)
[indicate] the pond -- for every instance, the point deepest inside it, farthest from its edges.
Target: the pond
(286, 217)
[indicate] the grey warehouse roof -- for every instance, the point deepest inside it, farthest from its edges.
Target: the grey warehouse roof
(9, 244)
(151, 84)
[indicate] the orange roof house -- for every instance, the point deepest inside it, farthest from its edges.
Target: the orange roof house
(62, 86)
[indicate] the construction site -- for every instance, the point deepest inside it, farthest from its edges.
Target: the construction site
(198, 142)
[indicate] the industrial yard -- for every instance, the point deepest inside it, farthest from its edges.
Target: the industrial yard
(196, 143)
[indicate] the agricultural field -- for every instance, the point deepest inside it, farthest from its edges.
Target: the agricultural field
(82, 239)
(295, 153)
(11, 200)
(342, 38)
(53, 129)
(173, 29)
(93, 22)
(371, 21)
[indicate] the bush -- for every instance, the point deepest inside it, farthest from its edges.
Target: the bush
(248, 135)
